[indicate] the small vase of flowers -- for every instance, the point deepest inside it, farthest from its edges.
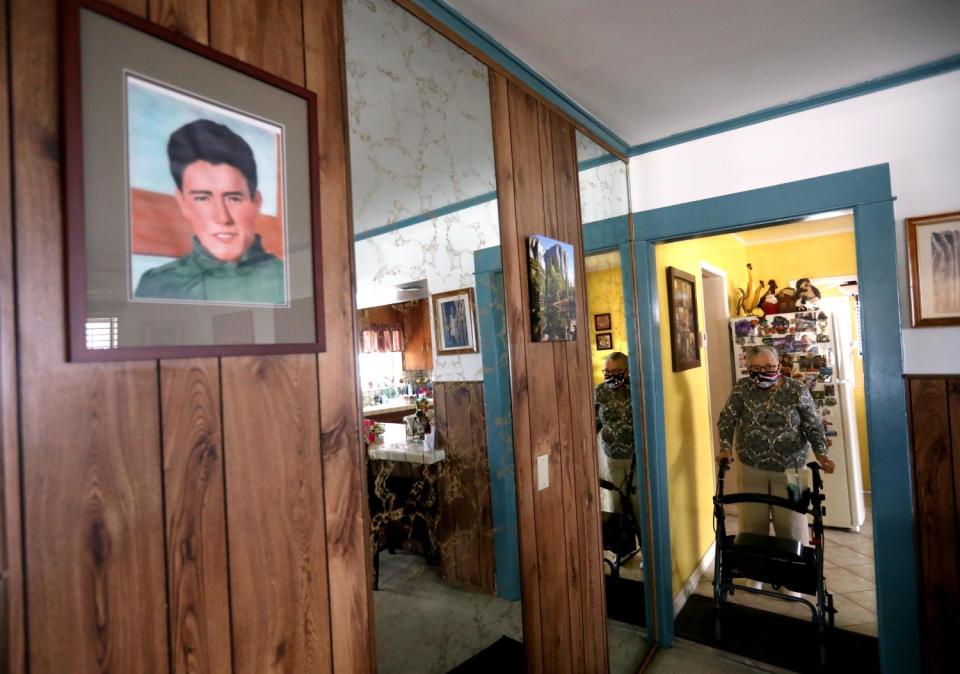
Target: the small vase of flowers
(372, 432)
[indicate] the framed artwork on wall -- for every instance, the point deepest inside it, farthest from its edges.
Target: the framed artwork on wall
(933, 247)
(551, 274)
(602, 322)
(684, 326)
(192, 198)
(604, 341)
(455, 322)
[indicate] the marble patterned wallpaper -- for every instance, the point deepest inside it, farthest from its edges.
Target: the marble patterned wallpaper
(604, 191)
(421, 134)
(440, 251)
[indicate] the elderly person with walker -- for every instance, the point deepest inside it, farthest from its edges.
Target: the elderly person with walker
(775, 423)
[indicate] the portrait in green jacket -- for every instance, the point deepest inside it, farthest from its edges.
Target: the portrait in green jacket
(216, 191)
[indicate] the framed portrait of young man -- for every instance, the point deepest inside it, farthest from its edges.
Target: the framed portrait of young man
(191, 197)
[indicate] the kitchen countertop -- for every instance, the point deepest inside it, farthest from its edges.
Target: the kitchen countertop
(396, 446)
(394, 405)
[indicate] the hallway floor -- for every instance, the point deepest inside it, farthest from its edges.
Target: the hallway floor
(446, 624)
(686, 657)
(849, 569)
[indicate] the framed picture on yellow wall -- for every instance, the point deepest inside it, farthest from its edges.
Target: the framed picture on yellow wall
(602, 322)
(604, 341)
(933, 245)
(684, 327)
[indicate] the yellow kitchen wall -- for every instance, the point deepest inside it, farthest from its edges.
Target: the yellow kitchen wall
(605, 296)
(827, 255)
(689, 429)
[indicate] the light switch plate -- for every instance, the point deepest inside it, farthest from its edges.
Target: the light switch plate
(543, 471)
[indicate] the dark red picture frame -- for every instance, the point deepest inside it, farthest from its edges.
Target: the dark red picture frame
(74, 196)
(684, 322)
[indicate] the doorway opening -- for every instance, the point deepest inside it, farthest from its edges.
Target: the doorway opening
(753, 288)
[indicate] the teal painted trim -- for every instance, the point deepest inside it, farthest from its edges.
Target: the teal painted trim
(429, 215)
(602, 160)
(932, 69)
(648, 315)
(869, 195)
(487, 260)
(894, 547)
(491, 318)
(629, 307)
(460, 25)
(789, 201)
(605, 234)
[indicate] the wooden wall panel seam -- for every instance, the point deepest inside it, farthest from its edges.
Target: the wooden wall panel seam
(516, 336)
(13, 606)
(349, 556)
(163, 514)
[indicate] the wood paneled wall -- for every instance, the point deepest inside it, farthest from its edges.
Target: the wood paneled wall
(466, 517)
(934, 404)
(182, 515)
(560, 549)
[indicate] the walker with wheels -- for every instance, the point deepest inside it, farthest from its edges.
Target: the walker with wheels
(779, 562)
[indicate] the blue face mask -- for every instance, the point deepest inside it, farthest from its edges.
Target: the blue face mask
(764, 379)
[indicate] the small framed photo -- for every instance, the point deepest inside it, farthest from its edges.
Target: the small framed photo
(192, 197)
(684, 326)
(933, 247)
(602, 322)
(604, 341)
(551, 273)
(455, 322)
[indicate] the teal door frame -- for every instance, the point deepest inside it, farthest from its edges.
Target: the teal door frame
(867, 192)
(602, 236)
(492, 322)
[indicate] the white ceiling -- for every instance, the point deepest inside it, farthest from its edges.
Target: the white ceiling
(651, 68)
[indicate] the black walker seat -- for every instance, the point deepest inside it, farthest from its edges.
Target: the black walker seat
(779, 562)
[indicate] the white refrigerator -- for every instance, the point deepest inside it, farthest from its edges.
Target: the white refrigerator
(817, 349)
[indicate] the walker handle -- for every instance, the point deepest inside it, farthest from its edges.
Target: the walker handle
(817, 478)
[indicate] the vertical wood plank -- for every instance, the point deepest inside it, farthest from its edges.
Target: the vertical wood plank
(197, 566)
(344, 461)
(264, 33)
(467, 535)
(543, 409)
(565, 483)
(93, 511)
(953, 404)
(277, 544)
(187, 17)
(576, 356)
(936, 526)
(196, 521)
(11, 563)
(271, 422)
(518, 327)
(482, 498)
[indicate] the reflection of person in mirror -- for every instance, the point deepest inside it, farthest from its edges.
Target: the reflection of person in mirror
(614, 414)
(216, 177)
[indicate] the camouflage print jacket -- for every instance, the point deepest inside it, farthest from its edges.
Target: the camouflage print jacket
(614, 421)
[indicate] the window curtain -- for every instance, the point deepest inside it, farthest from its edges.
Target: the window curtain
(381, 339)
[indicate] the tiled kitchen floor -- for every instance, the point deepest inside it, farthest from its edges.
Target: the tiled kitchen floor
(849, 570)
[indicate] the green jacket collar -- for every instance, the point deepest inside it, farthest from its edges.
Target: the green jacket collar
(205, 260)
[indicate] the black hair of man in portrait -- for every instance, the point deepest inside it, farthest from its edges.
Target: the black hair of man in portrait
(216, 192)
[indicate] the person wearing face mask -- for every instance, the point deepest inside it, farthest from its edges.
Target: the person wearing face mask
(775, 424)
(614, 414)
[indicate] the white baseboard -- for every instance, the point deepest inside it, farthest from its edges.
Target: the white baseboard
(691, 585)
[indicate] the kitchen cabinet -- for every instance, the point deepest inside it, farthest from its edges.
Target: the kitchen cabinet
(417, 337)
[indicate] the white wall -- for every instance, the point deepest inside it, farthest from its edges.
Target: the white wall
(915, 128)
